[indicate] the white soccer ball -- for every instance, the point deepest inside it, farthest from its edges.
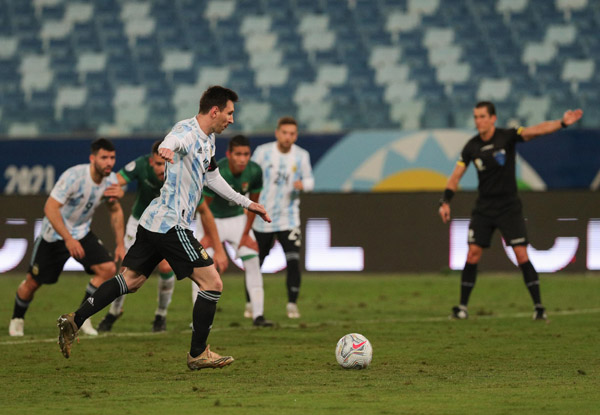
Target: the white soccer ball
(354, 351)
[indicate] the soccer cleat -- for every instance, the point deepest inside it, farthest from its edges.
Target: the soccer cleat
(160, 324)
(208, 359)
(87, 328)
(67, 333)
(107, 322)
(248, 310)
(540, 313)
(292, 310)
(260, 321)
(459, 312)
(16, 327)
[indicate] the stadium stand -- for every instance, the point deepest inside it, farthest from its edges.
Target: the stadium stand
(125, 67)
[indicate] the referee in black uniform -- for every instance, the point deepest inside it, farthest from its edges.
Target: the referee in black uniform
(493, 153)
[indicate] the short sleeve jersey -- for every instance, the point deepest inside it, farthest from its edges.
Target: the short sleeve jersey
(249, 181)
(148, 185)
(184, 179)
(495, 162)
(79, 196)
(280, 171)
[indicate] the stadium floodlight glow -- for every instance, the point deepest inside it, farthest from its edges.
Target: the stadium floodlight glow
(593, 244)
(321, 256)
(551, 260)
(13, 249)
(459, 229)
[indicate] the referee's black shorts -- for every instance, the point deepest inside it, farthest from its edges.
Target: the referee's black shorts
(178, 246)
(507, 217)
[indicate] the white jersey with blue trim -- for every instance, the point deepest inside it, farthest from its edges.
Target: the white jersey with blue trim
(280, 171)
(184, 178)
(79, 196)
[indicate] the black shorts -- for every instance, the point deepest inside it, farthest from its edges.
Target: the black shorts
(48, 258)
(290, 240)
(178, 246)
(507, 218)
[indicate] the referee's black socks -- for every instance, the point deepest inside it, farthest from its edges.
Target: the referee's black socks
(467, 282)
(104, 295)
(532, 281)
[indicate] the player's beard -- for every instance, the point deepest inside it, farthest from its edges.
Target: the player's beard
(102, 172)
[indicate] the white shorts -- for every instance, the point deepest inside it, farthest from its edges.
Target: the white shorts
(230, 231)
(130, 231)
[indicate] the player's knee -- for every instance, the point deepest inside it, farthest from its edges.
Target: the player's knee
(134, 284)
(474, 254)
(164, 267)
(521, 255)
(218, 285)
(27, 288)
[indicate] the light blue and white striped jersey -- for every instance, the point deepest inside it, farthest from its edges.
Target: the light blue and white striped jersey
(184, 178)
(280, 171)
(80, 197)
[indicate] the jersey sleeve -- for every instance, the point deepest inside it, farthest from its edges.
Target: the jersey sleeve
(517, 134)
(257, 155)
(131, 171)
(176, 139)
(465, 156)
(65, 186)
(308, 181)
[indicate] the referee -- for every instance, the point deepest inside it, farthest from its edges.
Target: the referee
(493, 153)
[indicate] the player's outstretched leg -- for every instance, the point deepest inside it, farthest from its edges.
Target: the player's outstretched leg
(67, 333)
(104, 295)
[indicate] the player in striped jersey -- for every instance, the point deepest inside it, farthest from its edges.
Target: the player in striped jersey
(148, 171)
(286, 173)
(164, 228)
(66, 231)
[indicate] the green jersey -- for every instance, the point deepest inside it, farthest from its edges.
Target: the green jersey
(249, 181)
(148, 184)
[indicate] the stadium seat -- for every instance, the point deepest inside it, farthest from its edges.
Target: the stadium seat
(533, 109)
(493, 89)
(254, 116)
(576, 71)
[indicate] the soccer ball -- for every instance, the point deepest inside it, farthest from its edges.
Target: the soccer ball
(353, 351)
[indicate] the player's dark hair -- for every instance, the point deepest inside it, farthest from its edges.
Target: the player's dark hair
(101, 144)
(491, 109)
(155, 146)
(286, 120)
(216, 96)
(238, 141)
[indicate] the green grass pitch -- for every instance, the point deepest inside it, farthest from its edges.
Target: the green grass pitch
(497, 362)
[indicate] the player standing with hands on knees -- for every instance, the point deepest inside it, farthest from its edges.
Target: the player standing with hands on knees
(164, 228)
(66, 231)
(493, 153)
